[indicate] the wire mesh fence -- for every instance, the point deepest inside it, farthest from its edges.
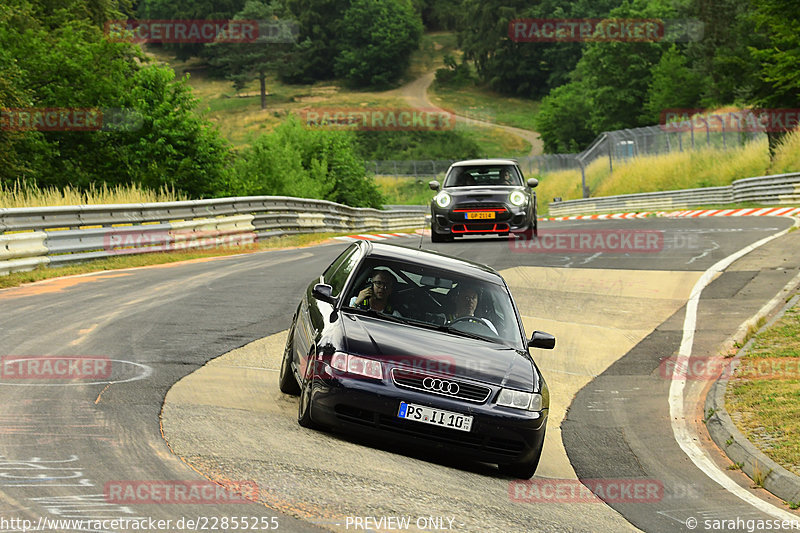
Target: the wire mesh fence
(615, 146)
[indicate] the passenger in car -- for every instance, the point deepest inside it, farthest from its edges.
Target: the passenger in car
(376, 296)
(466, 304)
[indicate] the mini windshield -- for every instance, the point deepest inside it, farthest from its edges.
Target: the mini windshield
(483, 175)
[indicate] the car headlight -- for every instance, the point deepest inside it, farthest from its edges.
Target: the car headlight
(520, 400)
(518, 198)
(443, 199)
(353, 364)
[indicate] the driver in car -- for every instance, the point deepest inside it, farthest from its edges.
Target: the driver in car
(466, 303)
(376, 296)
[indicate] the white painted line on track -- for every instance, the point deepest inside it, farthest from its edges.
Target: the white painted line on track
(680, 429)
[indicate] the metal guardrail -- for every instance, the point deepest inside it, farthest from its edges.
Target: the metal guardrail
(780, 189)
(33, 236)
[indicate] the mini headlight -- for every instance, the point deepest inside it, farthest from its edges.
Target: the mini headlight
(520, 400)
(443, 199)
(518, 198)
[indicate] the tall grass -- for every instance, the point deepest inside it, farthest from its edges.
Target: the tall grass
(708, 167)
(787, 156)
(405, 191)
(22, 194)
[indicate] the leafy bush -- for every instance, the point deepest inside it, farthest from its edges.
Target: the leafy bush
(297, 161)
(411, 145)
(563, 119)
(455, 75)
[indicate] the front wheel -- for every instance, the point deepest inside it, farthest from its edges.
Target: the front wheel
(286, 381)
(304, 407)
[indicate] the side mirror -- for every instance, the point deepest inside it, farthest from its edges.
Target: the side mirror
(434, 185)
(532, 182)
(540, 339)
(324, 293)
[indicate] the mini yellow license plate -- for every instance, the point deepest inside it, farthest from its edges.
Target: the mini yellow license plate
(483, 215)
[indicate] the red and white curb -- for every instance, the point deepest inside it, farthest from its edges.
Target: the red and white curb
(743, 212)
(375, 236)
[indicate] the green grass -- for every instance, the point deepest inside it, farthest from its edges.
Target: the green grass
(495, 142)
(405, 191)
(765, 392)
(677, 170)
(484, 104)
(240, 118)
(131, 261)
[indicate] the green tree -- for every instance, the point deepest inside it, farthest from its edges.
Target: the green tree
(563, 119)
(377, 40)
(673, 86)
(188, 10)
(74, 66)
(318, 42)
(243, 62)
(721, 55)
(778, 56)
(528, 69)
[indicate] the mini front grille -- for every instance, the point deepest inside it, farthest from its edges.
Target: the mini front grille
(479, 205)
(454, 388)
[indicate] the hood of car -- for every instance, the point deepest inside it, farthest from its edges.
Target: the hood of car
(440, 352)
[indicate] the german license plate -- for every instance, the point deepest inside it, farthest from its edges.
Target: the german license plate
(481, 215)
(435, 417)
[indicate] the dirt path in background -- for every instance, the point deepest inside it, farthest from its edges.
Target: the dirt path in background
(416, 94)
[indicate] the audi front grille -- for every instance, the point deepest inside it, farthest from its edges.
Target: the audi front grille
(442, 386)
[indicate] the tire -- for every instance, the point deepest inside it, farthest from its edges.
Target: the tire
(286, 380)
(304, 406)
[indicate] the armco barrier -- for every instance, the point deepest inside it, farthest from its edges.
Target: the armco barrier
(780, 189)
(35, 236)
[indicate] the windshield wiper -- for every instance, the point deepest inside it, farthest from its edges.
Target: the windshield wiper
(462, 333)
(378, 314)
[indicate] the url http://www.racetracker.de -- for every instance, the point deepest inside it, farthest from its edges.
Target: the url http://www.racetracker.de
(741, 524)
(196, 523)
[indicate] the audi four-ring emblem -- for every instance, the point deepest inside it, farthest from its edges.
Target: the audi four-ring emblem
(440, 385)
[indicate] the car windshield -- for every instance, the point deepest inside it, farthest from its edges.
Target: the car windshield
(429, 297)
(483, 175)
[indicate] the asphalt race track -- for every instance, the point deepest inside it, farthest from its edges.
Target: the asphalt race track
(617, 316)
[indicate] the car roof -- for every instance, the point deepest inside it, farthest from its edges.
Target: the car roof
(431, 258)
(470, 162)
